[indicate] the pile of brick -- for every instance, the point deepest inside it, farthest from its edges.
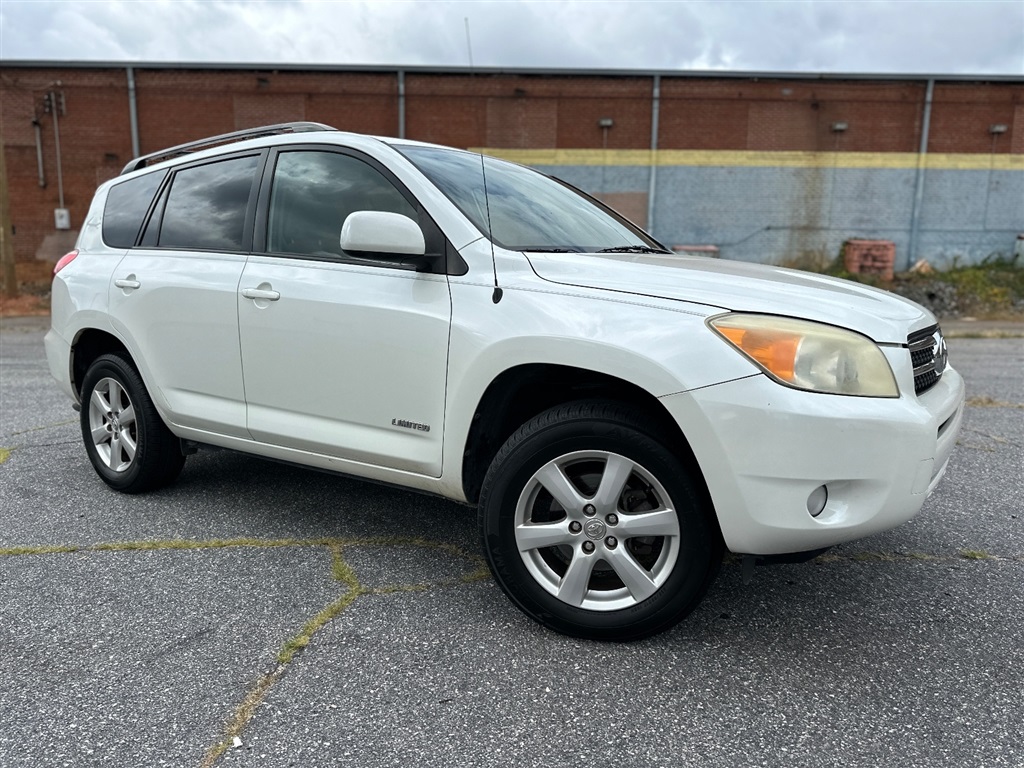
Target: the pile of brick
(870, 257)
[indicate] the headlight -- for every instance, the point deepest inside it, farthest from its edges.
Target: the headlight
(812, 356)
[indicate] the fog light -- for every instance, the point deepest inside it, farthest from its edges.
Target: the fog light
(817, 500)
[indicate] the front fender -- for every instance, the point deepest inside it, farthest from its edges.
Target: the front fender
(661, 349)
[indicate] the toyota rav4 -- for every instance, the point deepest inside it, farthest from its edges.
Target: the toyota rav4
(456, 324)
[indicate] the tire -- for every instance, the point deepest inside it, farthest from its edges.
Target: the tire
(129, 446)
(594, 527)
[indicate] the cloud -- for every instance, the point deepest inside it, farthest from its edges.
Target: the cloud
(912, 36)
(872, 36)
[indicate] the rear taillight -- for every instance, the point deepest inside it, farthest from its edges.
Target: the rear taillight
(66, 259)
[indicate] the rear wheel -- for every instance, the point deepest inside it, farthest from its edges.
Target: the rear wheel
(129, 446)
(594, 527)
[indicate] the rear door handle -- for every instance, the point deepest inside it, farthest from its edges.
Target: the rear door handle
(260, 293)
(128, 283)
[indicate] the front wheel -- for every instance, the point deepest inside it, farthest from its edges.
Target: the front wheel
(128, 444)
(594, 527)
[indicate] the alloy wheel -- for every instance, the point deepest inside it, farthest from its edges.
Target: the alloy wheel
(597, 530)
(112, 425)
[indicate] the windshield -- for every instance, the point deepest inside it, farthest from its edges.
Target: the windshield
(524, 210)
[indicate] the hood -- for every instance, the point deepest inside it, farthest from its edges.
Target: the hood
(740, 287)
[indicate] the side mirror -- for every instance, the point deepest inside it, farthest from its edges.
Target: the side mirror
(381, 234)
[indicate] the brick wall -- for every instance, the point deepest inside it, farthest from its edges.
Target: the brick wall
(95, 145)
(521, 111)
(496, 110)
(964, 112)
(787, 115)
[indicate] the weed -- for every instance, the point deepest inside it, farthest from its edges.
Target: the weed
(396, 588)
(992, 288)
(975, 554)
(873, 557)
(341, 570)
(41, 550)
(988, 402)
(480, 574)
(297, 643)
(987, 333)
(243, 714)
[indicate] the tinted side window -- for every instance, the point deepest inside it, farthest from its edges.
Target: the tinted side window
(314, 192)
(126, 207)
(207, 204)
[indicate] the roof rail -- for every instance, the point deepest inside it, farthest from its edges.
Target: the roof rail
(224, 138)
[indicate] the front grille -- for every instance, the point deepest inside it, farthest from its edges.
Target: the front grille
(928, 356)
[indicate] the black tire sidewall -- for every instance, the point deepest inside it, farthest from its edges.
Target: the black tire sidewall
(698, 556)
(148, 469)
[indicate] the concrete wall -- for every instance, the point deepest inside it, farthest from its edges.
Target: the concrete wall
(783, 206)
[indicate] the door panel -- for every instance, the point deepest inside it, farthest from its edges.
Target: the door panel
(182, 321)
(349, 361)
(175, 299)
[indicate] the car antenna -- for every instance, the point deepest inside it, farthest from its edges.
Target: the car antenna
(498, 293)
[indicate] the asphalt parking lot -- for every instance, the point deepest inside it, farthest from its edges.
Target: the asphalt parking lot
(256, 614)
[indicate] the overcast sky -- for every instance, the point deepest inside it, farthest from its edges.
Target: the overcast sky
(868, 36)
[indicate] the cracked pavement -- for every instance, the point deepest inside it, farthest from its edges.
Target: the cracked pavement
(256, 614)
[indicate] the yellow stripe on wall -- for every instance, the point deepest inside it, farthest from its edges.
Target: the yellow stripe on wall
(755, 159)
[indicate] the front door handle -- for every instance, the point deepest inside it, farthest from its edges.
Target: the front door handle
(260, 293)
(128, 283)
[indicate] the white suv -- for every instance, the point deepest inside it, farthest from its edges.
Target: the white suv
(468, 327)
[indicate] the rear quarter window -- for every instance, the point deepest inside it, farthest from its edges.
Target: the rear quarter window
(206, 207)
(126, 207)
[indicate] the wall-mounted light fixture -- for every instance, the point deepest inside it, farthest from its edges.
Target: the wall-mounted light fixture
(997, 129)
(605, 124)
(38, 127)
(839, 127)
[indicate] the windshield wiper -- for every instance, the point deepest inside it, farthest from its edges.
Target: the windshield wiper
(546, 249)
(633, 249)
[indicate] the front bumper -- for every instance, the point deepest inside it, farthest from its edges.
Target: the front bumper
(764, 448)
